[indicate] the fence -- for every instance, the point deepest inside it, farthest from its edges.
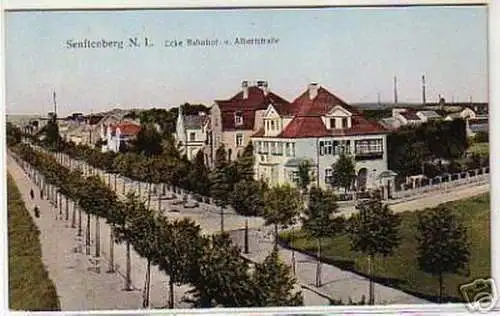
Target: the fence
(476, 176)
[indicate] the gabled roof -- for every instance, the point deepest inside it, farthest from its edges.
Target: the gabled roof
(430, 114)
(308, 122)
(194, 121)
(257, 100)
(410, 115)
(126, 129)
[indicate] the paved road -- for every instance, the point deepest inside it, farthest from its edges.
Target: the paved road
(78, 288)
(337, 283)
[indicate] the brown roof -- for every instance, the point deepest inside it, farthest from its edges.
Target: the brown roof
(126, 129)
(256, 100)
(308, 123)
(410, 115)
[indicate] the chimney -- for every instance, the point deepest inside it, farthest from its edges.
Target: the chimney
(313, 90)
(395, 90)
(423, 89)
(244, 88)
(264, 86)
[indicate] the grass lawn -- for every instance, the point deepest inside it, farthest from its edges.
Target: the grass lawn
(401, 270)
(30, 288)
(480, 148)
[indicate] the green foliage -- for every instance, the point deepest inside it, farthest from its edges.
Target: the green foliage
(318, 219)
(343, 172)
(14, 134)
(282, 205)
(197, 179)
(304, 176)
(247, 197)
(375, 229)
(481, 137)
(148, 141)
(51, 132)
(443, 244)
(30, 288)
(223, 278)
(276, 286)
(410, 147)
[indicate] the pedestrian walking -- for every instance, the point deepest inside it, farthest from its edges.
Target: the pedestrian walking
(37, 212)
(32, 194)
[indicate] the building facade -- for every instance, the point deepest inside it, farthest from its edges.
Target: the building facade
(318, 127)
(114, 135)
(233, 121)
(191, 133)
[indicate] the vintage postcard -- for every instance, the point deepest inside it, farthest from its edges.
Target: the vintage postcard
(323, 158)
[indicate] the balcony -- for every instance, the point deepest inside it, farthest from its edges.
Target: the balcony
(373, 155)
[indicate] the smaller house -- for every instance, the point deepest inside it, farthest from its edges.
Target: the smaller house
(114, 135)
(427, 115)
(465, 113)
(406, 116)
(191, 133)
(390, 123)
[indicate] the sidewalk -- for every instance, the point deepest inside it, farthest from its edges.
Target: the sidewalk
(337, 283)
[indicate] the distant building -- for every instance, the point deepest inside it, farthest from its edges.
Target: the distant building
(191, 133)
(427, 115)
(317, 127)
(234, 121)
(115, 135)
(465, 113)
(406, 116)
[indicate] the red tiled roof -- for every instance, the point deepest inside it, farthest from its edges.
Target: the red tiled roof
(127, 129)
(255, 101)
(308, 123)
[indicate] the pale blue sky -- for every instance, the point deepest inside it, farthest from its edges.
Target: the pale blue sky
(353, 52)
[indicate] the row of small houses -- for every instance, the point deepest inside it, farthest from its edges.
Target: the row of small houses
(316, 127)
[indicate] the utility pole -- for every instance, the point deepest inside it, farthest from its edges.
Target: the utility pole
(423, 89)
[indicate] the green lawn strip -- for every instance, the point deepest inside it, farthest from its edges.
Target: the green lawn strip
(30, 288)
(480, 148)
(401, 270)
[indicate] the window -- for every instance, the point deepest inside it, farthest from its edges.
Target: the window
(287, 149)
(328, 148)
(369, 146)
(229, 154)
(321, 148)
(239, 140)
(344, 122)
(332, 123)
(293, 149)
(238, 118)
(328, 175)
(294, 176)
(192, 136)
(273, 148)
(272, 125)
(279, 149)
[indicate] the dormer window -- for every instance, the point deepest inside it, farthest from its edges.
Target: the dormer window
(332, 123)
(238, 118)
(344, 122)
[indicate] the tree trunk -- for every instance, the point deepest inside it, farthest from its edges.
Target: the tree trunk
(371, 289)
(440, 288)
(145, 302)
(159, 204)
(123, 186)
(73, 216)
(111, 250)
(87, 239)
(109, 180)
(318, 263)
(163, 189)
(67, 209)
(128, 280)
(79, 220)
(221, 219)
(292, 236)
(139, 187)
(276, 236)
(170, 293)
(149, 195)
(246, 237)
(115, 175)
(97, 237)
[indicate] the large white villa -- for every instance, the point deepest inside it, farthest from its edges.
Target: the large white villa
(318, 126)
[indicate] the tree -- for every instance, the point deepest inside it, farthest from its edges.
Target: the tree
(343, 172)
(180, 248)
(247, 198)
(443, 245)
(318, 221)
(148, 141)
(276, 287)
(304, 176)
(198, 176)
(222, 278)
(282, 205)
(245, 165)
(374, 231)
(220, 187)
